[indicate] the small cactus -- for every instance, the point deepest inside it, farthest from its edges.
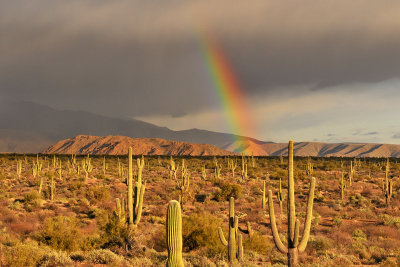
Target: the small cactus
(174, 234)
(342, 186)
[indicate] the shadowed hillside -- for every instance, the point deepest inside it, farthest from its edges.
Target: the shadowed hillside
(118, 145)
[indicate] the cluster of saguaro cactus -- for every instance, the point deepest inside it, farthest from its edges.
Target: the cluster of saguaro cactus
(135, 208)
(232, 164)
(294, 246)
(174, 234)
(342, 186)
(387, 186)
(233, 235)
(253, 161)
(87, 166)
(243, 174)
(309, 167)
(37, 167)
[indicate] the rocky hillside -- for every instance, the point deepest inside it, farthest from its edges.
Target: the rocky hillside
(118, 145)
(333, 150)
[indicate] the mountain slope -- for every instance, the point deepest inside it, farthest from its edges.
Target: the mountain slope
(118, 145)
(333, 150)
(27, 127)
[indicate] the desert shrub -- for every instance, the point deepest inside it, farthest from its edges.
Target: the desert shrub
(98, 194)
(22, 254)
(104, 256)
(258, 243)
(358, 234)
(388, 220)
(61, 233)
(116, 234)
(32, 200)
(54, 258)
(228, 190)
(142, 262)
(319, 244)
(200, 230)
(77, 256)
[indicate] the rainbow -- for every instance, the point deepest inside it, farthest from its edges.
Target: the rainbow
(229, 91)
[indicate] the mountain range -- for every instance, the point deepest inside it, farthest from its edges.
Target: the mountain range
(27, 127)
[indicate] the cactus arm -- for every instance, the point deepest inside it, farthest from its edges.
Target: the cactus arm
(222, 237)
(306, 232)
(278, 243)
(140, 204)
(296, 233)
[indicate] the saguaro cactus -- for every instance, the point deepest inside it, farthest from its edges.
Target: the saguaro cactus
(183, 184)
(342, 186)
(174, 234)
(294, 246)
(387, 186)
(309, 167)
(232, 235)
(263, 204)
(19, 168)
(203, 173)
(137, 195)
(87, 166)
(217, 171)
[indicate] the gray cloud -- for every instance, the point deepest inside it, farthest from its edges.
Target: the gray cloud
(396, 136)
(135, 58)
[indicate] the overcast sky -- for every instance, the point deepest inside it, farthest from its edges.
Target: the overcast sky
(311, 70)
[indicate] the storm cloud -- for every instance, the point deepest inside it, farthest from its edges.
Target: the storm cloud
(139, 58)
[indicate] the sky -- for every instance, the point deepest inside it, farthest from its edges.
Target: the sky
(324, 70)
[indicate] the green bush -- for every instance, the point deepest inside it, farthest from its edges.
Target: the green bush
(200, 230)
(104, 256)
(55, 258)
(227, 191)
(22, 254)
(98, 194)
(62, 233)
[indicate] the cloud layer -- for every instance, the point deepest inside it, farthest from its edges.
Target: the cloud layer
(143, 58)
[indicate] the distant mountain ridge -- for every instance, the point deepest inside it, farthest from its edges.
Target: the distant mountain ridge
(27, 127)
(118, 145)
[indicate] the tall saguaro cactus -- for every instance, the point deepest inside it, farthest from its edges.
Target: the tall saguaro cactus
(137, 194)
(174, 234)
(294, 246)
